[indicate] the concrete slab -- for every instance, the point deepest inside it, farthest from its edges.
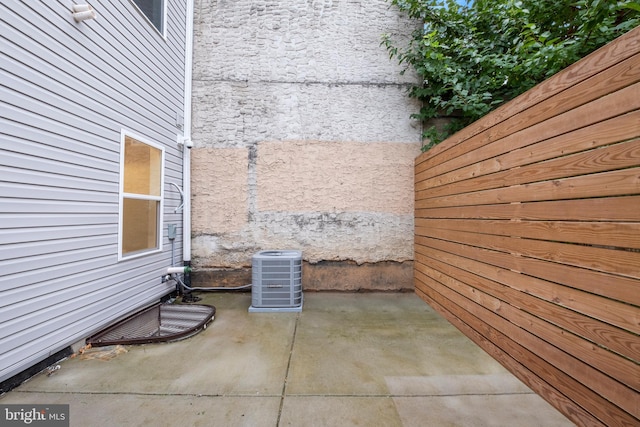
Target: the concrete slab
(496, 410)
(114, 409)
(237, 354)
(346, 359)
(330, 411)
(349, 343)
(448, 385)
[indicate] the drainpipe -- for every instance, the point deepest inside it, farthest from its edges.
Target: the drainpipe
(186, 146)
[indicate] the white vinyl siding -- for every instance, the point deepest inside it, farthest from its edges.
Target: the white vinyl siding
(67, 90)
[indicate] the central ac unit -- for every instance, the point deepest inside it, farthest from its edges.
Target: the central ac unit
(276, 281)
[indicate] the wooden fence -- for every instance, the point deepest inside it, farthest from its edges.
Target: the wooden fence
(528, 235)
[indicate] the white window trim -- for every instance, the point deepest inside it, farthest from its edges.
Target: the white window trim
(162, 33)
(121, 195)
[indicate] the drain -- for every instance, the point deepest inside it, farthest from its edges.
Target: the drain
(159, 323)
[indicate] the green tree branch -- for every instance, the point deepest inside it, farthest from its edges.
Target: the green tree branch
(471, 59)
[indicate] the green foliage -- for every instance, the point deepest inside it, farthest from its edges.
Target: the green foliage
(471, 59)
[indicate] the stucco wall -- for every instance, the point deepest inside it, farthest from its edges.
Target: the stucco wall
(302, 138)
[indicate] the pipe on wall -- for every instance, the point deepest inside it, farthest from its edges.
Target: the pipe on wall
(186, 147)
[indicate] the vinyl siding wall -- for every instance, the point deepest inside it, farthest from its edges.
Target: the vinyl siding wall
(67, 90)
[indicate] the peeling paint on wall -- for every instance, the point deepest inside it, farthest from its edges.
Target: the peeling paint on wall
(302, 134)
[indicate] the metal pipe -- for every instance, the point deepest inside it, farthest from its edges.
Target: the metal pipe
(177, 279)
(186, 151)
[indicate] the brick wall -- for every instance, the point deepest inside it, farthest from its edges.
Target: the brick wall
(302, 141)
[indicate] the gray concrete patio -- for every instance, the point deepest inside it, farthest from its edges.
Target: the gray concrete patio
(346, 360)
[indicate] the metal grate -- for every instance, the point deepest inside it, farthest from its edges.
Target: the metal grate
(159, 323)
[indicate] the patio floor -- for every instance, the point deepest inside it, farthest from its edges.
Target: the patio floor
(365, 359)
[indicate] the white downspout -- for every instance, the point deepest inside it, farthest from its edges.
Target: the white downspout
(186, 147)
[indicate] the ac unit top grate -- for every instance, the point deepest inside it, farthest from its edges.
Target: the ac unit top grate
(272, 255)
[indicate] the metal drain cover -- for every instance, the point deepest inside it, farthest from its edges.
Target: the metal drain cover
(159, 323)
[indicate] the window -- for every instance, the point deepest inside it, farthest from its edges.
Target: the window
(154, 11)
(141, 178)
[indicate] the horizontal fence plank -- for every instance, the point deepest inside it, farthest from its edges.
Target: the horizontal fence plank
(615, 104)
(624, 208)
(610, 234)
(503, 300)
(601, 259)
(618, 51)
(509, 322)
(584, 374)
(509, 287)
(519, 344)
(544, 275)
(611, 157)
(527, 235)
(447, 309)
(620, 128)
(604, 184)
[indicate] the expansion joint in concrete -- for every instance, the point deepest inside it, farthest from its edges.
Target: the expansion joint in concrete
(286, 375)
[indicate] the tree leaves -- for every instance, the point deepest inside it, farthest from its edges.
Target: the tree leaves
(471, 59)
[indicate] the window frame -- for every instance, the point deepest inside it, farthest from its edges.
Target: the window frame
(122, 195)
(163, 31)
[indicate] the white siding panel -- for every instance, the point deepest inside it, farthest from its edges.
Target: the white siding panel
(96, 46)
(45, 112)
(43, 235)
(20, 252)
(24, 154)
(27, 221)
(22, 136)
(17, 205)
(29, 319)
(153, 55)
(58, 259)
(14, 190)
(82, 278)
(54, 292)
(75, 95)
(67, 90)
(45, 274)
(67, 178)
(25, 122)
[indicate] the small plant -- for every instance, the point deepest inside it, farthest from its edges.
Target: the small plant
(473, 58)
